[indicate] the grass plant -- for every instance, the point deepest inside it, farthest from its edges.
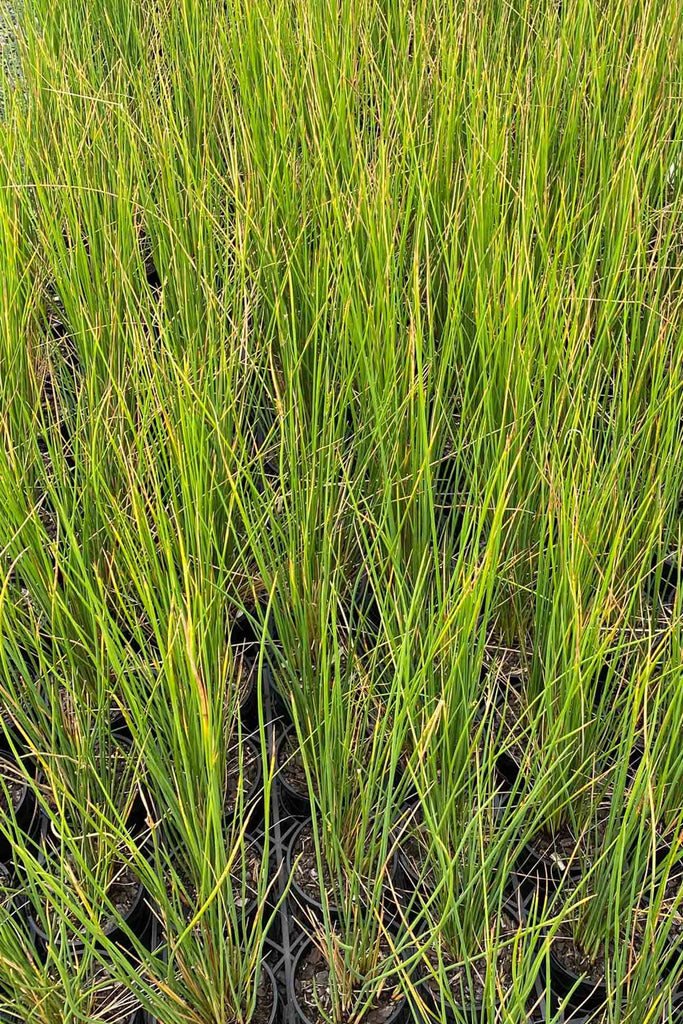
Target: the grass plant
(357, 323)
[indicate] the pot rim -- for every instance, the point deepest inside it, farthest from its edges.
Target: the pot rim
(311, 901)
(399, 1009)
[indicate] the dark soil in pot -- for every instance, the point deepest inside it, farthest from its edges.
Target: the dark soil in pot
(17, 800)
(551, 856)
(12, 787)
(305, 876)
(125, 894)
(573, 959)
(243, 776)
(568, 963)
(244, 879)
(509, 752)
(415, 874)
(558, 848)
(246, 668)
(306, 882)
(112, 1002)
(121, 784)
(241, 694)
(466, 990)
(313, 999)
(267, 1007)
(291, 774)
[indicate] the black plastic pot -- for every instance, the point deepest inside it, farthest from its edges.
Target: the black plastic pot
(253, 798)
(138, 920)
(414, 892)
(276, 1011)
(392, 917)
(400, 1014)
(476, 1011)
(252, 803)
(586, 996)
(600, 684)
(365, 617)
(251, 905)
(244, 637)
(669, 571)
(246, 646)
(136, 819)
(508, 769)
(11, 741)
(136, 1016)
(505, 683)
(534, 873)
(276, 1008)
(448, 498)
(293, 800)
(26, 815)
(677, 1008)
(120, 728)
(141, 806)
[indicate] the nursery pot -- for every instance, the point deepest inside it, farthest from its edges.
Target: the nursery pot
(306, 901)
(294, 800)
(253, 796)
(120, 727)
(467, 1007)
(138, 918)
(503, 685)
(15, 901)
(276, 1009)
(670, 574)
(251, 903)
(407, 877)
(474, 1012)
(141, 806)
(246, 647)
(400, 1014)
(10, 741)
(249, 699)
(297, 802)
(26, 813)
(409, 886)
(242, 634)
(508, 769)
(586, 996)
(365, 616)
(534, 873)
(111, 1012)
(139, 809)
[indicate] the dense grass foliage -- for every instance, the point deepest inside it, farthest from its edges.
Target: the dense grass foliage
(361, 324)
